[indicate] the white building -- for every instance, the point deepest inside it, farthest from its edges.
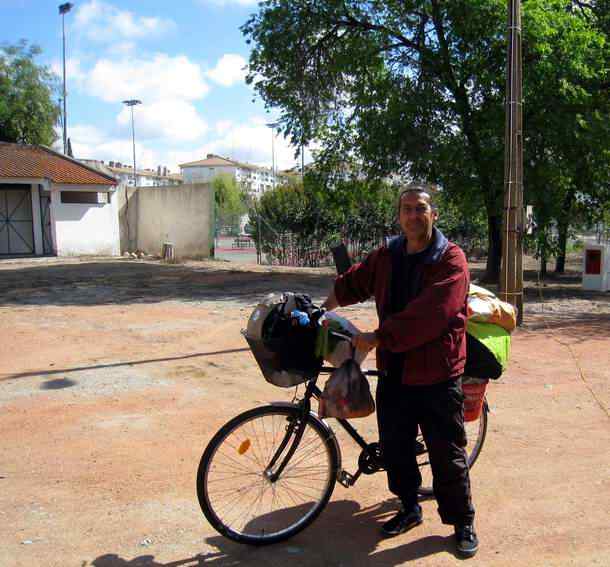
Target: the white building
(123, 173)
(256, 180)
(51, 204)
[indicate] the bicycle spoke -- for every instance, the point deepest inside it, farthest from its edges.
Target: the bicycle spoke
(239, 497)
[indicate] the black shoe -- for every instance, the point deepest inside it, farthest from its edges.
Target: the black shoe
(402, 522)
(466, 540)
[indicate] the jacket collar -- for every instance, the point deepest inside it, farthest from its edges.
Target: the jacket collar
(434, 252)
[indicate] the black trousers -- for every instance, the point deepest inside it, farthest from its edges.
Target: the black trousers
(439, 411)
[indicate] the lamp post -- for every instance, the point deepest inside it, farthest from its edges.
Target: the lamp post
(131, 103)
(63, 10)
(273, 126)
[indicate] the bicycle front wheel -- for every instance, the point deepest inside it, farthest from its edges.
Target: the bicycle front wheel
(475, 437)
(237, 491)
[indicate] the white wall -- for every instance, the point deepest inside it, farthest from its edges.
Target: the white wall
(203, 174)
(182, 215)
(85, 228)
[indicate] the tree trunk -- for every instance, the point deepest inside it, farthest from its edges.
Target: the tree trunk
(562, 227)
(560, 262)
(494, 249)
(543, 258)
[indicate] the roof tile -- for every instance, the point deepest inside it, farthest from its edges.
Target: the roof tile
(20, 160)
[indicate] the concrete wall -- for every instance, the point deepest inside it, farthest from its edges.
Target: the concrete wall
(85, 228)
(182, 215)
(196, 174)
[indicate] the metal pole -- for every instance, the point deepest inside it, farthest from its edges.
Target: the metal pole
(63, 33)
(273, 156)
(133, 142)
(511, 279)
(302, 161)
(63, 10)
(273, 126)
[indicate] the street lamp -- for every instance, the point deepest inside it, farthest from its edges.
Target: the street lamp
(131, 103)
(273, 126)
(63, 10)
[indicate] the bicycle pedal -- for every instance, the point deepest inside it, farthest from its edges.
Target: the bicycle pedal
(346, 479)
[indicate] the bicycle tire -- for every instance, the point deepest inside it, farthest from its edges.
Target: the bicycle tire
(258, 522)
(473, 449)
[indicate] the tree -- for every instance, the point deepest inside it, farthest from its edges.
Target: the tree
(418, 86)
(28, 113)
(230, 201)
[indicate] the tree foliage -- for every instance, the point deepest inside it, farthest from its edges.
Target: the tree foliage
(229, 200)
(28, 112)
(418, 87)
(300, 221)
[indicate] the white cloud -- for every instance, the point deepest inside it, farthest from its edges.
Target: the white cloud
(160, 78)
(89, 142)
(223, 126)
(174, 121)
(229, 70)
(75, 75)
(103, 22)
(249, 142)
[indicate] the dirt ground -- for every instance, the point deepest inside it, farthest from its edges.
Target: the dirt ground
(114, 374)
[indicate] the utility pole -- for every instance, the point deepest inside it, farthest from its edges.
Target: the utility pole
(511, 278)
(63, 10)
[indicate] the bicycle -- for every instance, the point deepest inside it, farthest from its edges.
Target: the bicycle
(269, 472)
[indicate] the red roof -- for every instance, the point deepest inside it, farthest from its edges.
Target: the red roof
(20, 160)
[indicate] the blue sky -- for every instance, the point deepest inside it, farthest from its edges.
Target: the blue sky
(184, 59)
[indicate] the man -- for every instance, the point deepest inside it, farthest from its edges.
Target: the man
(420, 283)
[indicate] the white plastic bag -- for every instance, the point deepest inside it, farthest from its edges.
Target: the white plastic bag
(342, 349)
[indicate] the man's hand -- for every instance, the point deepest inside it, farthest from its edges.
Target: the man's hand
(365, 341)
(331, 301)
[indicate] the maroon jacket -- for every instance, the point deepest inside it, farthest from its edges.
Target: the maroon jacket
(431, 330)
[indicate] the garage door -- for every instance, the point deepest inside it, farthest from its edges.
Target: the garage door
(16, 225)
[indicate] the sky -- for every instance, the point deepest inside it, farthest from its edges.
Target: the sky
(184, 59)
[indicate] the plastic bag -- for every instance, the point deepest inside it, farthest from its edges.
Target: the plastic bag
(335, 349)
(347, 393)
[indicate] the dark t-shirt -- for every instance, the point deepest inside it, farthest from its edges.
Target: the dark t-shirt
(404, 287)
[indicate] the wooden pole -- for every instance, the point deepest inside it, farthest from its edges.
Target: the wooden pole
(511, 278)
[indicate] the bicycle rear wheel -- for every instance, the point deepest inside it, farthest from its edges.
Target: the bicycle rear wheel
(475, 436)
(235, 485)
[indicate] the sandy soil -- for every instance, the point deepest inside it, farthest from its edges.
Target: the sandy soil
(114, 374)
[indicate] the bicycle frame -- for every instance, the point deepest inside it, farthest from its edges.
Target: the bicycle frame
(297, 429)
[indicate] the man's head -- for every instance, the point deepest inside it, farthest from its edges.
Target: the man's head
(416, 213)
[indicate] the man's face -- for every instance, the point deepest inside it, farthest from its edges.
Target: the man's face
(415, 216)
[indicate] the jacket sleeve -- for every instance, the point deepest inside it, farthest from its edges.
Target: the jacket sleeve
(358, 283)
(427, 317)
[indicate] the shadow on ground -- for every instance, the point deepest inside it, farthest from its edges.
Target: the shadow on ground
(575, 327)
(121, 282)
(345, 534)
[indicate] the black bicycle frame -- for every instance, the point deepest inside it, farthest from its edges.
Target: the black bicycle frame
(297, 427)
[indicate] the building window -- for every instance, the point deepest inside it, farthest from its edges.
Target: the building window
(84, 197)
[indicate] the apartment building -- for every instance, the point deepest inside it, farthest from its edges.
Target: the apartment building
(123, 173)
(256, 180)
